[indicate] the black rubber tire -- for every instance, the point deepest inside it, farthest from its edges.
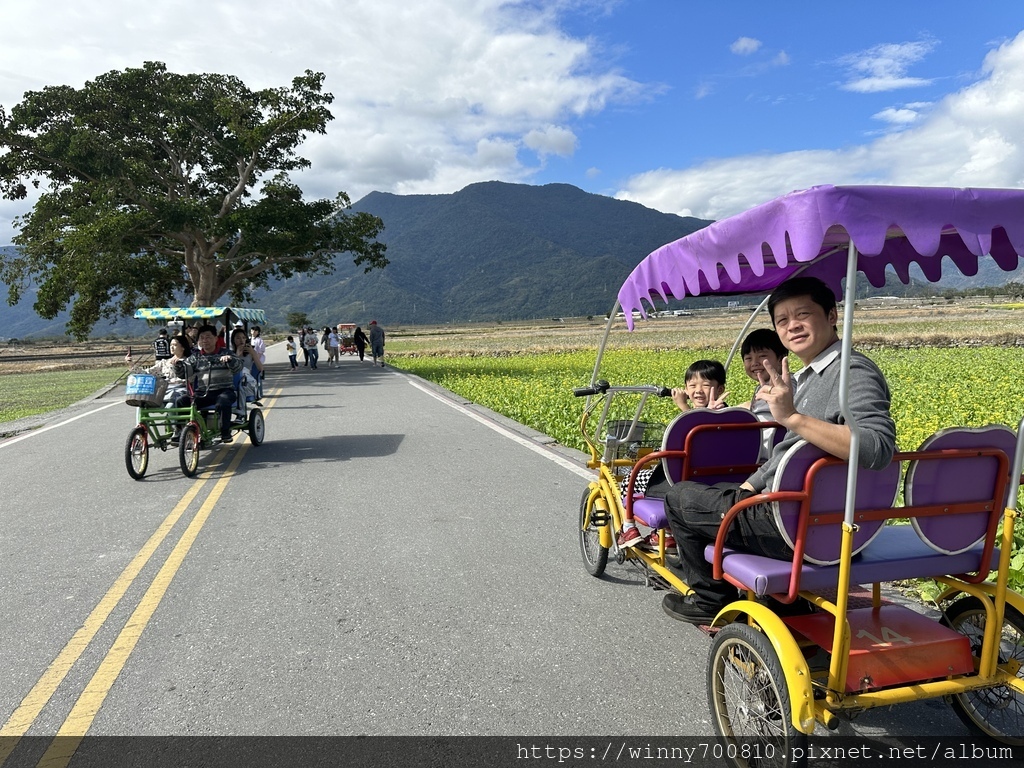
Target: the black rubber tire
(595, 557)
(188, 449)
(995, 714)
(136, 453)
(257, 426)
(749, 700)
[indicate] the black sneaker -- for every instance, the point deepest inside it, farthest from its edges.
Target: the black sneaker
(799, 607)
(686, 608)
(226, 438)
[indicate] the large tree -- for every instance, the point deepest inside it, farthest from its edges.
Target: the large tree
(152, 183)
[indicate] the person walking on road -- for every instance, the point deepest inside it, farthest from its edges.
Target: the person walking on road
(360, 340)
(330, 340)
(377, 343)
(335, 341)
(309, 345)
(292, 353)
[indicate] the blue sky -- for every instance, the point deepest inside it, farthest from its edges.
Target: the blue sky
(700, 109)
(746, 78)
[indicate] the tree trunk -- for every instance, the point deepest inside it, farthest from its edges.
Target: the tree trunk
(206, 286)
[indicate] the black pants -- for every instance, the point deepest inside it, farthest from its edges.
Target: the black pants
(694, 514)
(223, 400)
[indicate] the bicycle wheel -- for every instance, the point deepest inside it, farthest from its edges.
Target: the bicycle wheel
(996, 713)
(595, 557)
(188, 449)
(749, 700)
(136, 453)
(257, 426)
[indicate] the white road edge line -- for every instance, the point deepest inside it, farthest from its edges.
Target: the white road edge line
(32, 433)
(535, 447)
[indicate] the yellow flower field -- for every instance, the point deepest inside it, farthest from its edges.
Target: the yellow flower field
(931, 388)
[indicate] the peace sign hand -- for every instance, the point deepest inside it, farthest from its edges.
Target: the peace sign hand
(777, 390)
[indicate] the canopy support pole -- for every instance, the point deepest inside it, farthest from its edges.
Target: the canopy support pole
(604, 342)
(844, 381)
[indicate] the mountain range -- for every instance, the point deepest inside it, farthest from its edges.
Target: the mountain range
(492, 251)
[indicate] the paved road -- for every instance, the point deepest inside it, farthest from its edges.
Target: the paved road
(389, 561)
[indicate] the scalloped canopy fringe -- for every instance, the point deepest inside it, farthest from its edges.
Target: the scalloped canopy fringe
(809, 231)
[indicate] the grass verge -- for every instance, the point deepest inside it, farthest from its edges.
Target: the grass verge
(29, 394)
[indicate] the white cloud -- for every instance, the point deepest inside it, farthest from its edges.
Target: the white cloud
(896, 116)
(884, 67)
(429, 96)
(551, 140)
(745, 46)
(969, 138)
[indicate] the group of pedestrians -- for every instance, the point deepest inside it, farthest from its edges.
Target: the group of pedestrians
(310, 340)
(308, 344)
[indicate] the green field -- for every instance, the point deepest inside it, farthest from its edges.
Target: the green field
(931, 388)
(29, 394)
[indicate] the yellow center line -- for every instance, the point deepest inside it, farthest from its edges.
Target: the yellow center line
(26, 713)
(77, 724)
(34, 702)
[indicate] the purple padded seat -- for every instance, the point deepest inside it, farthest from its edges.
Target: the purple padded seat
(895, 553)
(650, 512)
(957, 480)
(709, 449)
(876, 489)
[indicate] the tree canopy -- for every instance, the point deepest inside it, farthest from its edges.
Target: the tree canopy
(151, 184)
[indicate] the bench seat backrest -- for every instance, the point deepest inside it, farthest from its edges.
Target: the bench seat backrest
(876, 489)
(717, 452)
(958, 480)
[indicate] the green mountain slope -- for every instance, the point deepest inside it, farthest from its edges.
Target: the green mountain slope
(491, 251)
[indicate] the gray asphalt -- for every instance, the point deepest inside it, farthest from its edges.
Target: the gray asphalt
(391, 560)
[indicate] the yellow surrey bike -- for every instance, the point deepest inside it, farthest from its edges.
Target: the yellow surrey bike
(775, 675)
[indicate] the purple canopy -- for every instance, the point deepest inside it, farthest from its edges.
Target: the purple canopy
(809, 232)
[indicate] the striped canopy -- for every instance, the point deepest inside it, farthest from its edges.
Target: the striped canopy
(809, 231)
(201, 313)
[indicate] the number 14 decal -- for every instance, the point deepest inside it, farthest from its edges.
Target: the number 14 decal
(888, 637)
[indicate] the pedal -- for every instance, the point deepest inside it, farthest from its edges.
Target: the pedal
(658, 583)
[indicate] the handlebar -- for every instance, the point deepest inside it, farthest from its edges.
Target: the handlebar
(603, 387)
(598, 389)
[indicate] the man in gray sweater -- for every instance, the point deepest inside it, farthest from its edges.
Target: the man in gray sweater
(804, 313)
(377, 343)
